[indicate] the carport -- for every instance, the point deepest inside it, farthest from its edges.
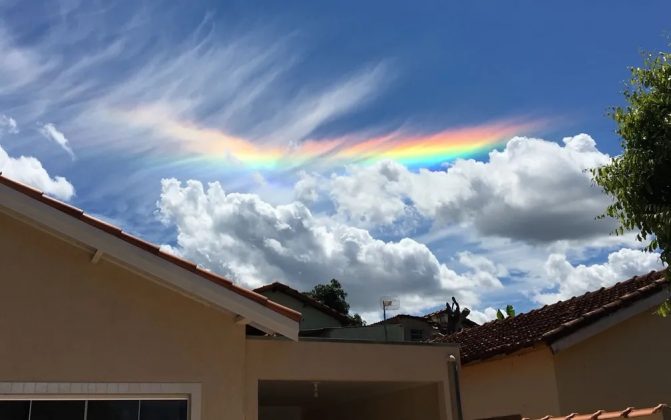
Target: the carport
(354, 380)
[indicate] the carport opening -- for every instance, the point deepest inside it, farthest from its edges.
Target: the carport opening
(331, 400)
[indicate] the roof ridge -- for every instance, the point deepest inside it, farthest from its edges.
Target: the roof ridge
(145, 245)
(548, 323)
(303, 296)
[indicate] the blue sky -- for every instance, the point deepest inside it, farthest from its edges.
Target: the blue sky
(129, 101)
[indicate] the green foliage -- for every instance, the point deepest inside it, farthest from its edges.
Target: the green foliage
(639, 180)
(510, 313)
(664, 309)
(334, 296)
(331, 295)
(357, 321)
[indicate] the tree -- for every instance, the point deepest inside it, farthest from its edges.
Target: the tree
(334, 296)
(510, 313)
(455, 316)
(639, 180)
(356, 320)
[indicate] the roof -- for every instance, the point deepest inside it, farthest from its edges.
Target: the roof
(144, 246)
(605, 415)
(283, 288)
(398, 317)
(552, 322)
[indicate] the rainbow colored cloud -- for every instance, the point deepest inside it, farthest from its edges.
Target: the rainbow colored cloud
(427, 150)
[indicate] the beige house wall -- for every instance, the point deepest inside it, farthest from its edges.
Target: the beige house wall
(279, 359)
(522, 384)
(66, 320)
(77, 324)
(626, 365)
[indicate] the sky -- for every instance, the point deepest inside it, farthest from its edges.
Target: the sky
(415, 150)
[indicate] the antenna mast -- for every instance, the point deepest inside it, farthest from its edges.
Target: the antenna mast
(388, 303)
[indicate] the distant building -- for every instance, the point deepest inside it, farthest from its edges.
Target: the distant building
(319, 320)
(314, 313)
(415, 328)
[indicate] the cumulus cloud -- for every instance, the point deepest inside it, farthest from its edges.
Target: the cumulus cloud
(306, 189)
(481, 317)
(254, 242)
(50, 132)
(8, 125)
(30, 171)
(533, 190)
(575, 280)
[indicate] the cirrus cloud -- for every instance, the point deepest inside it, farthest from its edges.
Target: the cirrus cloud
(50, 132)
(8, 125)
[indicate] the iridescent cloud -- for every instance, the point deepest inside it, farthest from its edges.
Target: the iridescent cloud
(412, 150)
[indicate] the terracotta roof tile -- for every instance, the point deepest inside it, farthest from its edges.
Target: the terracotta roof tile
(606, 415)
(147, 246)
(102, 225)
(592, 416)
(551, 322)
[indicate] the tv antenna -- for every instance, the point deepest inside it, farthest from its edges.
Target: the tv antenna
(388, 304)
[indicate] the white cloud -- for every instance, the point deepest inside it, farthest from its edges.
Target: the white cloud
(575, 280)
(19, 66)
(49, 131)
(481, 263)
(254, 243)
(306, 189)
(481, 317)
(8, 125)
(29, 170)
(312, 109)
(245, 84)
(533, 190)
(258, 100)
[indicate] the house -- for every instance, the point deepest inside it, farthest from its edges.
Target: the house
(424, 328)
(319, 320)
(603, 350)
(314, 314)
(97, 323)
(415, 328)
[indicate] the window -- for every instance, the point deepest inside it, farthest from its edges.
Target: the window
(14, 410)
(57, 410)
(163, 410)
(94, 410)
(112, 410)
(416, 335)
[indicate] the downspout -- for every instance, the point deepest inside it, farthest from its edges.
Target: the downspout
(455, 390)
